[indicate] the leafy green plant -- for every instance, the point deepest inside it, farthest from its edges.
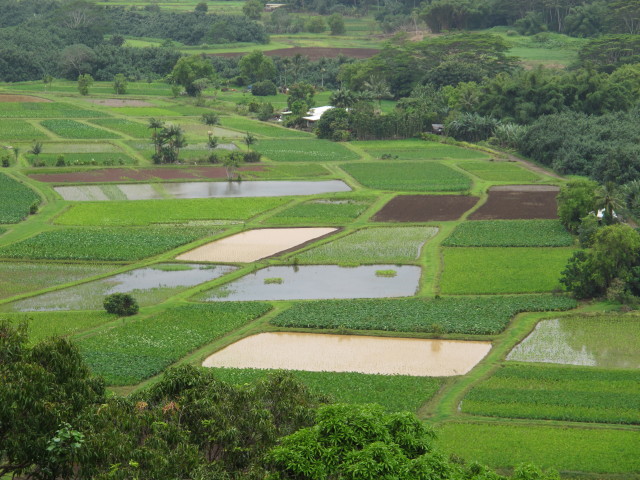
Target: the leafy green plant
(386, 273)
(510, 233)
(73, 129)
(16, 200)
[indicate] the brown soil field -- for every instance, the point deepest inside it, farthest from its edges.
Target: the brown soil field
(115, 102)
(314, 53)
(143, 175)
(425, 208)
(519, 202)
(6, 98)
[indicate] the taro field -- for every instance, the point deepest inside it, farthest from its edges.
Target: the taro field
(556, 383)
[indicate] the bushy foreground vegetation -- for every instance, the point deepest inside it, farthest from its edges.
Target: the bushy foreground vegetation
(510, 233)
(468, 315)
(16, 200)
(580, 394)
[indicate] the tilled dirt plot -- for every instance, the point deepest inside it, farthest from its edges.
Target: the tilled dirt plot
(143, 175)
(519, 203)
(425, 208)
(5, 98)
(314, 53)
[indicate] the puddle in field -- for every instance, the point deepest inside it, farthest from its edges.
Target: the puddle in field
(148, 285)
(604, 341)
(83, 193)
(351, 353)
(308, 282)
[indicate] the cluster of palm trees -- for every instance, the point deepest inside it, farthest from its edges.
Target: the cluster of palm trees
(168, 140)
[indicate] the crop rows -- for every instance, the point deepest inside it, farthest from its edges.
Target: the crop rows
(19, 130)
(146, 212)
(71, 129)
(46, 110)
(408, 177)
(510, 233)
(351, 387)
(303, 150)
(73, 159)
(283, 171)
(417, 150)
(323, 211)
(15, 200)
(133, 129)
(469, 315)
(581, 394)
(138, 349)
(104, 244)
(499, 171)
(372, 245)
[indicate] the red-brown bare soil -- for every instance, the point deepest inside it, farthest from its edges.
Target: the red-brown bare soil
(314, 53)
(425, 208)
(9, 98)
(141, 175)
(519, 202)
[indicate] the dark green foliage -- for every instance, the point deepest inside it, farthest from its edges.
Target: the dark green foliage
(333, 125)
(471, 127)
(15, 200)
(576, 199)
(470, 315)
(122, 304)
(611, 51)
(264, 88)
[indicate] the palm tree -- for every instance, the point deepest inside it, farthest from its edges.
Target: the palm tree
(378, 87)
(609, 199)
(250, 139)
(155, 124)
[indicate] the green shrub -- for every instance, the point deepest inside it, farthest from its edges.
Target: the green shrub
(121, 304)
(263, 89)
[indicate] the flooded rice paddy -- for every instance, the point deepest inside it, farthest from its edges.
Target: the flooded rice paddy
(181, 190)
(148, 285)
(254, 244)
(607, 341)
(319, 282)
(350, 353)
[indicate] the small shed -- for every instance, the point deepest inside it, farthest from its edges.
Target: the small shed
(314, 114)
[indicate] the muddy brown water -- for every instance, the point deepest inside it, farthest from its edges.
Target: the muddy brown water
(350, 353)
(181, 190)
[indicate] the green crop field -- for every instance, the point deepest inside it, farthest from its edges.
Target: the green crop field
(15, 200)
(502, 270)
(43, 325)
(139, 348)
(66, 128)
(579, 394)
(607, 341)
(325, 211)
(244, 124)
(510, 233)
(569, 450)
(417, 150)
(128, 127)
(78, 159)
(19, 130)
(372, 245)
(408, 177)
(106, 244)
(311, 150)
(46, 110)
(351, 387)
(291, 171)
(499, 171)
(469, 315)
(157, 112)
(147, 212)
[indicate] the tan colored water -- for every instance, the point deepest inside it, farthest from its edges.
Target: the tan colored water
(254, 244)
(351, 353)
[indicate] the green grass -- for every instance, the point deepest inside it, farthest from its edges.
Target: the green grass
(52, 324)
(510, 233)
(140, 348)
(292, 171)
(264, 129)
(73, 159)
(349, 387)
(106, 244)
(46, 110)
(502, 270)
(105, 88)
(467, 315)
(417, 150)
(66, 128)
(15, 200)
(330, 211)
(579, 394)
(311, 150)
(569, 450)
(372, 245)
(147, 212)
(19, 130)
(18, 277)
(133, 129)
(499, 171)
(408, 177)
(607, 341)
(144, 112)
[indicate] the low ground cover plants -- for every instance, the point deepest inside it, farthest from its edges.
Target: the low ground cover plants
(283, 171)
(416, 150)
(510, 233)
(128, 127)
(580, 394)
(468, 315)
(303, 150)
(67, 128)
(323, 211)
(19, 130)
(372, 245)
(106, 244)
(140, 348)
(502, 270)
(408, 177)
(16, 200)
(499, 171)
(76, 159)
(43, 325)
(351, 387)
(46, 110)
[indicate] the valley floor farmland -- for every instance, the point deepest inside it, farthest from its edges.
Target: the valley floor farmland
(479, 237)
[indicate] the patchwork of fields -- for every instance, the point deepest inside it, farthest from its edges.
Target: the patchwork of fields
(472, 243)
